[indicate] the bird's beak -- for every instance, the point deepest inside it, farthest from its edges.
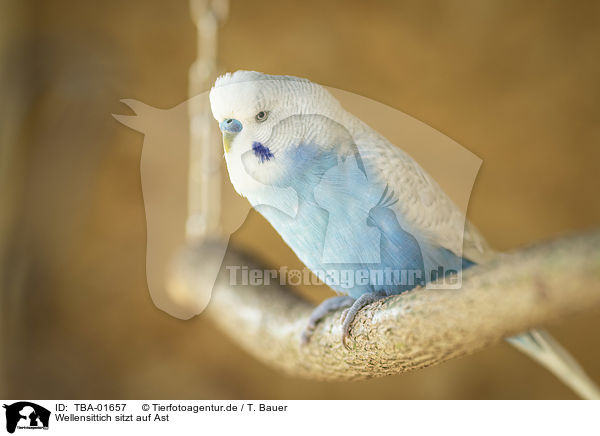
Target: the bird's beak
(230, 127)
(227, 138)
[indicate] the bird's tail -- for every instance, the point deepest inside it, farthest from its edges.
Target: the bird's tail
(540, 346)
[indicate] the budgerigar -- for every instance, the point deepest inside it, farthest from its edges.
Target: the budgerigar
(345, 199)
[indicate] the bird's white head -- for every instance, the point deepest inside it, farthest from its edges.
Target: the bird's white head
(260, 116)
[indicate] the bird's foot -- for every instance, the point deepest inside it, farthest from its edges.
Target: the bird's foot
(350, 313)
(329, 305)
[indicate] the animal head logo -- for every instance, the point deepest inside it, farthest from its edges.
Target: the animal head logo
(165, 177)
(24, 414)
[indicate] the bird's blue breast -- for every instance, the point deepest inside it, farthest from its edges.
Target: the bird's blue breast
(340, 234)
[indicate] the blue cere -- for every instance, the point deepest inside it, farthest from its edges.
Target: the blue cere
(230, 125)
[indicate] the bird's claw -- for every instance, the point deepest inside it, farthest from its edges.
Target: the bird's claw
(349, 314)
(344, 315)
(320, 312)
(352, 307)
(306, 334)
(345, 328)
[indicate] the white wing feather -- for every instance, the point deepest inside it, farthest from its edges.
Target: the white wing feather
(422, 202)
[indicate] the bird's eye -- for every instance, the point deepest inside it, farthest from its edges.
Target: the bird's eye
(262, 116)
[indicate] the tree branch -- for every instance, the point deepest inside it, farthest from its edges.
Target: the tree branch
(513, 293)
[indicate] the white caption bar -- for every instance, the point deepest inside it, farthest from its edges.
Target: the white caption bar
(379, 418)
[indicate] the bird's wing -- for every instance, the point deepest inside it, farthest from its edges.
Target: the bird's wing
(421, 201)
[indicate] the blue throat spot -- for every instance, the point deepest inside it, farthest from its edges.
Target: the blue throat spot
(261, 152)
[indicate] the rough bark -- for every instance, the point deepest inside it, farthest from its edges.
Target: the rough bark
(515, 292)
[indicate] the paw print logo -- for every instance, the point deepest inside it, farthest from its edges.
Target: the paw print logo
(294, 278)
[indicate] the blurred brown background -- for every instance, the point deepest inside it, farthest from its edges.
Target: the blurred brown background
(514, 82)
